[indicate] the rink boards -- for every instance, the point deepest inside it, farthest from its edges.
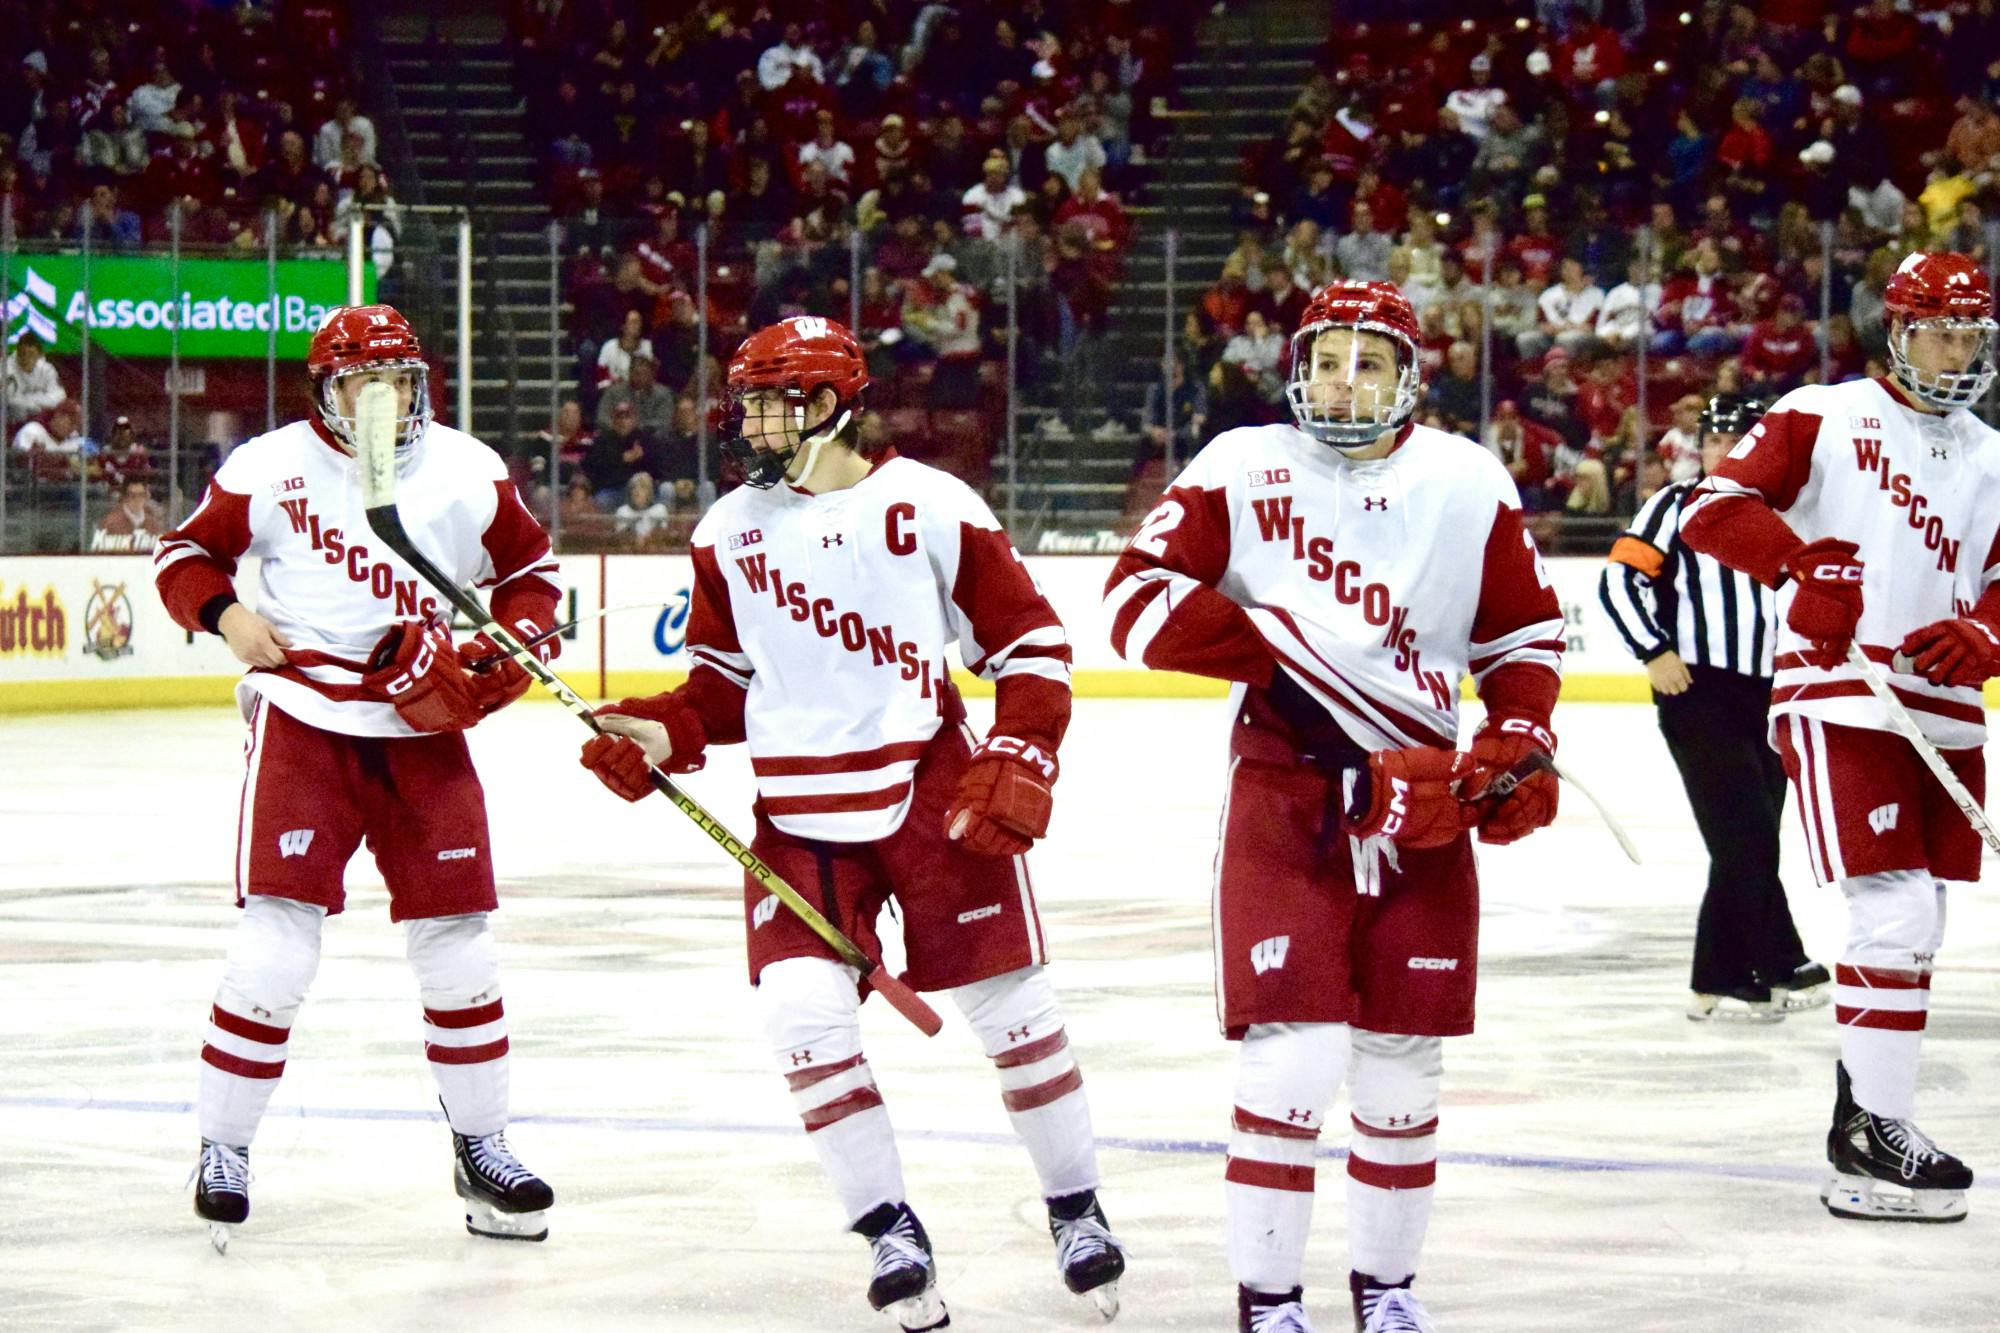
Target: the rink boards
(89, 632)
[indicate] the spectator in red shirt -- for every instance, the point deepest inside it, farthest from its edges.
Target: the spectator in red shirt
(1282, 301)
(1747, 153)
(1536, 249)
(1780, 350)
(1226, 303)
(1590, 60)
(1527, 450)
(1389, 205)
(1697, 311)
(1099, 214)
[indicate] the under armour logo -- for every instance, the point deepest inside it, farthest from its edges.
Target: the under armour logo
(1398, 1121)
(804, 1057)
(1375, 502)
(830, 540)
(1940, 453)
(1017, 1034)
(1299, 1117)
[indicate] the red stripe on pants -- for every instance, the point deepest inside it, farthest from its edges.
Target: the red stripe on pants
(1252, 1123)
(841, 1108)
(243, 1027)
(1382, 1175)
(465, 1055)
(1429, 1126)
(463, 1018)
(1033, 1051)
(805, 1078)
(1027, 1099)
(236, 1064)
(1269, 1175)
(1880, 978)
(1893, 1020)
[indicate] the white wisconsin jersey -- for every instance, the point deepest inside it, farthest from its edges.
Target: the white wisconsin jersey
(835, 611)
(1918, 494)
(1381, 584)
(326, 582)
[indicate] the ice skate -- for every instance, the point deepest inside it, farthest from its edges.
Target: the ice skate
(503, 1199)
(221, 1179)
(1886, 1170)
(1807, 986)
(904, 1283)
(1744, 1004)
(1089, 1256)
(1263, 1312)
(1382, 1308)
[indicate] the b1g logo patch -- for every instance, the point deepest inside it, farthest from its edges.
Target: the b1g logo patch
(739, 540)
(1277, 476)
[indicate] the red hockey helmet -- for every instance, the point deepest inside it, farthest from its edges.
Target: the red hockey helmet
(357, 338)
(1941, 290)
(1366, 307)
(798, 356)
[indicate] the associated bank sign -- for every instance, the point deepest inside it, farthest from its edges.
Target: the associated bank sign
(224, 308)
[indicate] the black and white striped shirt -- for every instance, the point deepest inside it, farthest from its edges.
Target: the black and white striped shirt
(1664, 597)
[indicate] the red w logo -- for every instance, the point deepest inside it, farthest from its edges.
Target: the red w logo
(1274, 518)
(753, 572)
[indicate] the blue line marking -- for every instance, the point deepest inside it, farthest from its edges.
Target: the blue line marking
(642, 1124)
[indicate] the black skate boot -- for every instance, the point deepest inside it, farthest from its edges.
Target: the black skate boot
(1382, 1307)
(1886, 1170)
(1271, 1312)
(904, 1282)
(1807, 986)
(503, 1199)
(1090, 1257)
(221, 1179)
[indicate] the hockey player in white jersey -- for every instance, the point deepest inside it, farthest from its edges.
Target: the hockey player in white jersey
(826, 592)
(356, 700)
(1346, 573)
(1874, 506)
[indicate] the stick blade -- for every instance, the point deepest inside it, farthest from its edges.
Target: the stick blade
(906, 1002)
(375, 443)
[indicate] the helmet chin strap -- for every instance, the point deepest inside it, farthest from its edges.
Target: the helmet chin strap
(817, 439)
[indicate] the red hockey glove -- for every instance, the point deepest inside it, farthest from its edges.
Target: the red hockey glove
(1003, 800)
(1411, 796)
(1965, 651)
(659, 730)
(416, 668)
(1500, 744)
(1827, 605)
(497, 679)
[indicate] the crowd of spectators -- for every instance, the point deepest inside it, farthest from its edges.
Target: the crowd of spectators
(1730, 182)
(931, 150)
(117, 117)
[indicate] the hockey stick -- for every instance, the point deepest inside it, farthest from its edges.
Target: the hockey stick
(495, 659)
(1501, 787)
(1899, 716)
(375, 447)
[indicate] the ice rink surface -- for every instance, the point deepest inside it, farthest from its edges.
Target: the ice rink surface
(1606, 1164)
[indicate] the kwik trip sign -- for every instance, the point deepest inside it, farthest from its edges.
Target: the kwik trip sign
(224, 308)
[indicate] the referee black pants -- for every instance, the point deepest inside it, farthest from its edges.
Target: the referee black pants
(1715, 730)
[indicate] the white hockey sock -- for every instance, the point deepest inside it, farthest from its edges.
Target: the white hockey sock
(1392, 1161)
(465, 1027)
(1286, 1075)
(811, 1014)
(272, 959)
(1021, 1031)
(1882, 985)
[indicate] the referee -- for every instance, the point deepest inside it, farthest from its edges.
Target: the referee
(1705, 633)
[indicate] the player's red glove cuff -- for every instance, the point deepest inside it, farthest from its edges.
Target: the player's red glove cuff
(1004, 798)
(1500, 744)
(497, 679)
(416, 668)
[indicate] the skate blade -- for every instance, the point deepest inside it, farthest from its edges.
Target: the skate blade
(219, 1234)
(1710, 1009)
(921, 1312)
(482, 1219)
(1798, 1001)
(1865, 1199)
(1105, 1298)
